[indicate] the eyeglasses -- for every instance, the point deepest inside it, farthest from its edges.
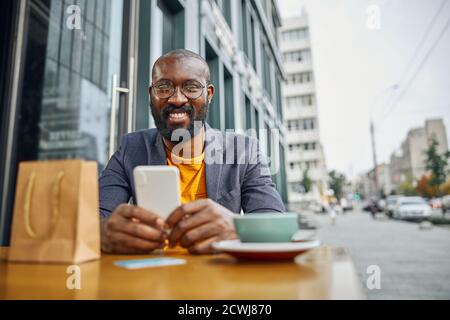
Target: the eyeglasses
(164, 89)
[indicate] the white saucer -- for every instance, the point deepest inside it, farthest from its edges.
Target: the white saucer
(264, 250)
(304, 235)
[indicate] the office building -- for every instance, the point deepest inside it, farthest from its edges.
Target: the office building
(408, 163)
(305, 152)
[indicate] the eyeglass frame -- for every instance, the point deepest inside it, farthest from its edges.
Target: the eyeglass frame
(152, 86)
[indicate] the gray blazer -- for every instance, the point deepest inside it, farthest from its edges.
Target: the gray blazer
(237, 176)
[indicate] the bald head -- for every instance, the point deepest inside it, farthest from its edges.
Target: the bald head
(180, 56)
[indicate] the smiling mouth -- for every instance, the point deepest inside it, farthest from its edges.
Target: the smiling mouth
(178, 116)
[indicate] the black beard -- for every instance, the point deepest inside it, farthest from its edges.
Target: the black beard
(161, 118)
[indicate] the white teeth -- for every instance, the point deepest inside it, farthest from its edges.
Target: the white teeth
(178, 115)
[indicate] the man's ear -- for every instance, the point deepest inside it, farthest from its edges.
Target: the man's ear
(210, 91)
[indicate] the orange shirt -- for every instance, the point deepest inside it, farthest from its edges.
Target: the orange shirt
(192, 176)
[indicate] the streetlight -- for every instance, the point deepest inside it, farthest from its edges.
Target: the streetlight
(372, 133)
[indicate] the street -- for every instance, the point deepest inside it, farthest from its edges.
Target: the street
(414, 263)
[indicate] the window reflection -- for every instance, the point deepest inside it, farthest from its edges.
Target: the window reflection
(68, 111)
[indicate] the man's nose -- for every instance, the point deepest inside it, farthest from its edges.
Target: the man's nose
(178, 99)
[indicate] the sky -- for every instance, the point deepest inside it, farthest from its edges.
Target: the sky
(363, 65)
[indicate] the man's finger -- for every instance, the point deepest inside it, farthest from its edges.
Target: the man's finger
(139, 230)
(185, 209)
(200, 233)
(204, 246)
(189, 223)
(144, 216)
(125, 240)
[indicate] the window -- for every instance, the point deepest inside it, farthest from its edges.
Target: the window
(267, 75)
(298, 56)
(212, 59)
(307, 100)
(229, 101)
(248, 113)
(302, 124)
(279, 96)
(296, 34)
(281, 177)
(251, 117)
(269, 141)
(294, 125)
(244, 21)
(302, 146)
(291, 101)
(299, 101)
(302, 77)
(172, 24)
(310, 146)
(253, 42)
(275, 25)
(256, 122)
(248, 31)
(225, 7)
(308, 124)
(311, 164)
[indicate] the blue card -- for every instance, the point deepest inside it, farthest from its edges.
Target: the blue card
(149, 263)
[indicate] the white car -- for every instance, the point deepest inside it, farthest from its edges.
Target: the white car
(346, 205)
(414, 208)
(391, 202)
(446, 203)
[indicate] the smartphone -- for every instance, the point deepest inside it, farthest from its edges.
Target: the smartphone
(157, 188)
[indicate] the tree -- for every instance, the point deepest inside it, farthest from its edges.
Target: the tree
(423, 187)
(437, 164)
(406, 188)
(445, 188)
(306, 181)
(337, 181)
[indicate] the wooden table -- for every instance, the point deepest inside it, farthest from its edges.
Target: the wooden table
(323, 273)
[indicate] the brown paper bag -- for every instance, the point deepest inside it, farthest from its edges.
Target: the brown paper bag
(56, 217)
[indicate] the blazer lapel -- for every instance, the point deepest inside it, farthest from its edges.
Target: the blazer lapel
(213, 161)
(158, 154)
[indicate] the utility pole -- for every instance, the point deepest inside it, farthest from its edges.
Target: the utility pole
(374, 153)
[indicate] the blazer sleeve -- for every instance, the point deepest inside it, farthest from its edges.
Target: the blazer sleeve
(258, 192)
(114, 184)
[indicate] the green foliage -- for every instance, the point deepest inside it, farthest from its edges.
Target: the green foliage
(337, 182)
(407, 188)
(437, 164)
(306, 181)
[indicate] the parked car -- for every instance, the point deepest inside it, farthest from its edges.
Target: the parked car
(412, 208)
(446, 204)
(382, 203)
(436, 203)
(391, 201)
(347, 205)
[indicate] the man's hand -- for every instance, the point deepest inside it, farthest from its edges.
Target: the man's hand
(132, 230)
(196, 225)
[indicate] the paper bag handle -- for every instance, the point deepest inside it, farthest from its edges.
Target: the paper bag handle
(56, 190)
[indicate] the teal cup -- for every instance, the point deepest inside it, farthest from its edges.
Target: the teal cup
(266, 227)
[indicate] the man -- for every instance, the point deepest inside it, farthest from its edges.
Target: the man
(213, 188)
